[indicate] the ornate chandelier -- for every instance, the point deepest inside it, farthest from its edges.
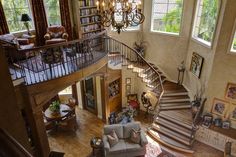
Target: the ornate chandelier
(120, 14)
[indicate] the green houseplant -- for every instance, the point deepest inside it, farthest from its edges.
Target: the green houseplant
(55, 106)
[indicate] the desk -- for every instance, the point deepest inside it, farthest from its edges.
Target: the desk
(64, 111)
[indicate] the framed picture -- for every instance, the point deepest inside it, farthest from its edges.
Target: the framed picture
(196, 64)
(128, 81)
(230, 91)
(233, 112)
(207, 120)
(219, 106)
(128, 89)
(218, 122)
(226, 125)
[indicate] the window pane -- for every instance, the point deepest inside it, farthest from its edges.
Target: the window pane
(234, 43)
(205, 20)
(53, 12)
(13, 10)
(166, 15)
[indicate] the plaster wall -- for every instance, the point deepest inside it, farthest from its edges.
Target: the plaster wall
(223, 69)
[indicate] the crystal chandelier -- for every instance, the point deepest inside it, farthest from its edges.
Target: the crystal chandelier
(120, 14)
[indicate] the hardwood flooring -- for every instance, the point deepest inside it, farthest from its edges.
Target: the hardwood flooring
(77, 144)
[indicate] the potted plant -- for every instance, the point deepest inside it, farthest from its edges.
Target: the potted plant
(55, 106)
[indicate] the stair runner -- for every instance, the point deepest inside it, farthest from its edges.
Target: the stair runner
(173, 126)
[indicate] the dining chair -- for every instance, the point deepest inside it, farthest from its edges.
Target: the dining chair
(69, 122)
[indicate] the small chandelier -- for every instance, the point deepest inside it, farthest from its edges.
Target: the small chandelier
(120, 14)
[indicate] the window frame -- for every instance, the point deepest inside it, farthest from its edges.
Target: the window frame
(46, 12)
(199, 40)
(168, 33)
(230, 47)
(32, 20)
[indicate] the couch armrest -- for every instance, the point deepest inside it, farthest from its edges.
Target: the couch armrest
(47, 36)
(65, 36)
(144, 140)
(105, 142)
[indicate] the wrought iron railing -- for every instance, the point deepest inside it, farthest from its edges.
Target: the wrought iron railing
(128, 56)
(48, 62)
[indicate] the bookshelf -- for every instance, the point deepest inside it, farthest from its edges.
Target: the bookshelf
(88, 19)
(114, 88)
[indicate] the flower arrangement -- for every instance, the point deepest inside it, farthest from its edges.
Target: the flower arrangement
(55, 106)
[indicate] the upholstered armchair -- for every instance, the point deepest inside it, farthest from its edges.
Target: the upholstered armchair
(55, 34)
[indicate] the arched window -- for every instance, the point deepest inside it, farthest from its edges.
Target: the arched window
(205, 20)
(167, 16)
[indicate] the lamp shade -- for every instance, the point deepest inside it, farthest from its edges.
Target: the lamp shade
(25, 17)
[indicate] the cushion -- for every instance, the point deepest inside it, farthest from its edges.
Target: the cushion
(120, 147)
(133, 104)
(117, 127)
(112, 138)
(135, 136)
(129, 126)
(130, 146)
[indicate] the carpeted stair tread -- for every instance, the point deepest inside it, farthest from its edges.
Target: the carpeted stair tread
(170, 94)
(177, 120)
(175, 104)
(185, 115)
(172, 126)
(175, 107)
(164, 97)
(177, 146)
(177, 100)
(171, 134)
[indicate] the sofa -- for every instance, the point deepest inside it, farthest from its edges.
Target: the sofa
(124, 147)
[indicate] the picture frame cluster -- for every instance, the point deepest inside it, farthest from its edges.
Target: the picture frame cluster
(224, 108)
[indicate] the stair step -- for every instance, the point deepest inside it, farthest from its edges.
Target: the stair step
(181, 114)
(161, 138)
(174, 104)
(177, 128)
(175, 97)
(180, 121)
(175, 100)
(175, 107)
(175, 94)
(172, 134)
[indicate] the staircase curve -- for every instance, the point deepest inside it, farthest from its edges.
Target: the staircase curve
(174, 125)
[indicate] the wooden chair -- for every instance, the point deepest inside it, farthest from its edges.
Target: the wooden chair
(69, 122)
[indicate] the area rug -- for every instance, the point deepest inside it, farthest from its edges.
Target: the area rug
(153, 149)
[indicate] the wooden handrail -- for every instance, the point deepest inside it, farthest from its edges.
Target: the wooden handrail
(139, 55)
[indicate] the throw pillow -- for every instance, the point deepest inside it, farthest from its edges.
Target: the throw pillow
(112, 138)
(135, 136)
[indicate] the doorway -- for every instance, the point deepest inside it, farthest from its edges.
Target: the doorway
(89, 95)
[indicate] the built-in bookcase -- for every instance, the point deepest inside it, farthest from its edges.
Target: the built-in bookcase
(89, 23)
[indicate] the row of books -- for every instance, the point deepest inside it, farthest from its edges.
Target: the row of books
(84, 3)
(85, 12)
(89, 19)
(90, 28)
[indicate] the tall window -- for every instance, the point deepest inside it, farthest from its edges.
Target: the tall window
(13, 10)
(205, 20)
(166, 16)
(233, 48)
(53, 12)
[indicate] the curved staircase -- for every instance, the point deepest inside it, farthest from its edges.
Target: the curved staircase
(173, 125)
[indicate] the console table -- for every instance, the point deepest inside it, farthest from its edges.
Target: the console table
(216, 137)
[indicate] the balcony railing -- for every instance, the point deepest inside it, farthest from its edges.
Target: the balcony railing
(48, 62)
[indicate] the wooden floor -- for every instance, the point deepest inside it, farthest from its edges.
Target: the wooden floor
(77, 144)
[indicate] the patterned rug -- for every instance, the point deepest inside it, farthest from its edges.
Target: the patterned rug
(154, 150)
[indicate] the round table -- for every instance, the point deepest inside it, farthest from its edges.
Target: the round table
(64, 111)
(97, 144)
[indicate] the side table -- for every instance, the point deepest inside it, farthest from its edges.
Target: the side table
(97, 145)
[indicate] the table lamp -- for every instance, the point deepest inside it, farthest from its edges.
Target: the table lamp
(25, 18)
